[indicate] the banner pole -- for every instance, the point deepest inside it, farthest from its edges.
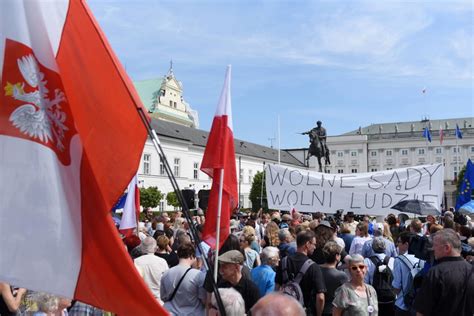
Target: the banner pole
(218, 224)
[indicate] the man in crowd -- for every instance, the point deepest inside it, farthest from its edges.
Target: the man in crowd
(390, 250)
(416, 227)
(286, 246)
(276, 304)
(230, 270)
(448, 288)
(402, 278)
(151, 267)
(349, 219)
(182, 286)
(312, 284)
(263, 276)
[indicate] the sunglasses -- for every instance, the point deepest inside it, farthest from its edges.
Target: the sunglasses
(359, 267)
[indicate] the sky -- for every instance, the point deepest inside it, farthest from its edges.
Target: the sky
(346, 63)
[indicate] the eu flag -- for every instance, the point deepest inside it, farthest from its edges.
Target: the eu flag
(427, 134)
(465, 190)
(458, 132)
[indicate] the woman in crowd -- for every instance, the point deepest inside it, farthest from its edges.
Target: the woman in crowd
(271, 235)
(387, 234)
(333, 278)
(249, 230)
(362, 235)
(252, 259)
(345, 234)
(355, 297)
(164, 251)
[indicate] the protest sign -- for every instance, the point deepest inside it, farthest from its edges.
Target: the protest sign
(362, 193)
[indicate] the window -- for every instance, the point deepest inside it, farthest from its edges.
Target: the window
(340, 170)
(196, 170)
(472, 150)
(241, 175)
(162, 167)
(353, 170)
(146, 163)
(421, 151)
(162, 206)
(176, 167)
(388, 153)
(373, 153)
(250, 176)
(455, 169)
(340, 154)
(404, 152)
(171, 103)
(389, 169)
(373, 170)
(456, 150)
(175, 106)
(439, 150)
(353, 153)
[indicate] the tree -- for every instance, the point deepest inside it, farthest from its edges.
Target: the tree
(258, 198)
(172, 199)
(150, 197)
(459, 179)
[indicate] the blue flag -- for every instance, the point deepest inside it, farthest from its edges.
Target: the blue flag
(427, 134)
(458, 132)
(465, 190)
(120, 203)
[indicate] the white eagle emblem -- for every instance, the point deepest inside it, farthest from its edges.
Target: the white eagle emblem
(40, 117)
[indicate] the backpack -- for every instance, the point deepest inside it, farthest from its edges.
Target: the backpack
(382, 280)
(292, 287)
(414, 281)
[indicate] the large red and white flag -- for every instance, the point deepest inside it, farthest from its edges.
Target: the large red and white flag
(220, 155)
(66, 110)
(131, 209)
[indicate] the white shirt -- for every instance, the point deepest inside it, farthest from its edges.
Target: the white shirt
(357, 244)
(151, 268)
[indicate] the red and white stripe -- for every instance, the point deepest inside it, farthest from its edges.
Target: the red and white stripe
(131, 209)
(57, 234)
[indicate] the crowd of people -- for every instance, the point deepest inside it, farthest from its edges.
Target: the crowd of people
(295, 264)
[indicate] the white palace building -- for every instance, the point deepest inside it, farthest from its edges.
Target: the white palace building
(372, 148)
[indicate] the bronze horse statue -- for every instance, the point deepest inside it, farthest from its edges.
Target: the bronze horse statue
(317, 149)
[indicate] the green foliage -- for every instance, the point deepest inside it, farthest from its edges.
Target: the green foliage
(256, 192)
(150, 197)
(459, 179)
(172, 199)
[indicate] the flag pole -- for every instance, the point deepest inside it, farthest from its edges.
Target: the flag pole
(279, 141)
(458, 157)
(218, 223)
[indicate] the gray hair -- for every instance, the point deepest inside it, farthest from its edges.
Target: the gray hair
(47, 303)
(355, 258)
(268, 254)
(283, 234)
(148, 245)
(232, 300)
(378, 245)
(449, 236)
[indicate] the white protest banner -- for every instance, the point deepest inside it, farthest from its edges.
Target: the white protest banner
(362, 193)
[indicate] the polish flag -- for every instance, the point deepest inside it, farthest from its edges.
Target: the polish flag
(131, 209)
(220, 155)
(66, 110)
(441, 135)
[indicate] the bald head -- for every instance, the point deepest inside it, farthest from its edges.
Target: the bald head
(276, 304)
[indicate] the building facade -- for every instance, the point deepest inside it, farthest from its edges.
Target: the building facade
(163, 98)
(399, 145)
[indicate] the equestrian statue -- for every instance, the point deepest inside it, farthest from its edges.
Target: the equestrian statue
(318, 147)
